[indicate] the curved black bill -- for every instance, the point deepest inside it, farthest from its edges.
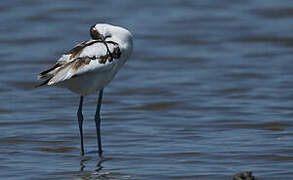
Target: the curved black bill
(95, 34)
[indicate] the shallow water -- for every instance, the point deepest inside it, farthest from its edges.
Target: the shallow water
(206, 94)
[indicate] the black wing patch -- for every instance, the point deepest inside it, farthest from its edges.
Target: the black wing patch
(78, 49)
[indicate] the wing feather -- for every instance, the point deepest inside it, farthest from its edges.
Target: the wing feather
(88, 56)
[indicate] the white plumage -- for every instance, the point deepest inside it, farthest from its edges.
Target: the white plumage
(91, 77)
(90, 66)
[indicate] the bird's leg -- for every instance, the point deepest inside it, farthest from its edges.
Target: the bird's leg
(80, 120)
(98, 121)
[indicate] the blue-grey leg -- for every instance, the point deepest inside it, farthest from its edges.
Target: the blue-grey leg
(98, 122)
(80, 120)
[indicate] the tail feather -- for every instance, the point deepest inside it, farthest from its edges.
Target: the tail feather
(46, 73)
(43, 83)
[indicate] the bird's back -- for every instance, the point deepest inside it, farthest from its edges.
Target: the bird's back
(91, 65)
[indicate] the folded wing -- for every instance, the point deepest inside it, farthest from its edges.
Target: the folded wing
(88, 56)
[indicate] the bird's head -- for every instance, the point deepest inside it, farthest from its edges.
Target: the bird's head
(109, 32)
(119, 35)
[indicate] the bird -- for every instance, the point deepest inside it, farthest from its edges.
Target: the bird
(89, 66)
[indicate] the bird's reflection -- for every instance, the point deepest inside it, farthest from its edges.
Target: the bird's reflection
(97, 174)
(84, 160)
(99, 165)
(82, 163)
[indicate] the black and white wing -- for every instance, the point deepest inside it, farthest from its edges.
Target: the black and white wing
(88, 56)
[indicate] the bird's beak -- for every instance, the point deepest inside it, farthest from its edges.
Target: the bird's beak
(95, 34)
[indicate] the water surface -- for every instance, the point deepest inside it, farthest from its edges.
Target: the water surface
(206, 94)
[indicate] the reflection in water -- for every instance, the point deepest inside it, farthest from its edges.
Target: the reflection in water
(97, 173)
(99, 165)
(82, 163)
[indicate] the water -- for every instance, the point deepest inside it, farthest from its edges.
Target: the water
(206, 94)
